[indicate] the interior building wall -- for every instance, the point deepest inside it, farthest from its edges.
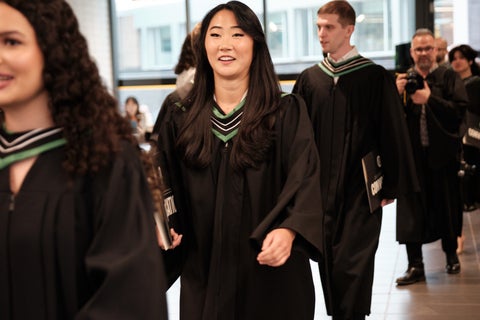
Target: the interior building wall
(94, 21)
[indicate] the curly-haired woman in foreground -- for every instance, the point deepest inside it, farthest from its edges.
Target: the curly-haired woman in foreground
(77, 233)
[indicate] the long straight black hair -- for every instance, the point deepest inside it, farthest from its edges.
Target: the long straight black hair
(255, 137)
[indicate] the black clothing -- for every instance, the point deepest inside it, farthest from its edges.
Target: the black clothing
(82, 249)
(227, 214)
(412, 275)
(436, 211)
(169, 102)
(472, 85)
(471, 152)
(358, 114)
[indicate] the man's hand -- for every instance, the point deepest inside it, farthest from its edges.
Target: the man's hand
(401, 81)
(421, 95)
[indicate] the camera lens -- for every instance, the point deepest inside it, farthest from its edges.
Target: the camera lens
(414, 82)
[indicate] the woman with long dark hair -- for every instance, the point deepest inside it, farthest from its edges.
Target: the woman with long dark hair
(244, 171)
(462, 59)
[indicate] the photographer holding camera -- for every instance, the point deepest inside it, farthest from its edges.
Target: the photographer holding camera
(435, 101)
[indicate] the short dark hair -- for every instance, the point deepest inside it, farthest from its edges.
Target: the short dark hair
(469, 53)
(346, 13)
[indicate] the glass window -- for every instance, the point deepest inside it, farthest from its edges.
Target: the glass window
(128, 44)
(277, 34)
(380, 25)
(158, 45)
(306, 43)
(199, 8)
(372, 33)
(443, 16)
(151, 33)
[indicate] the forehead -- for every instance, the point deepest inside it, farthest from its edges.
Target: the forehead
(440, 43)
(12, 20)
(223, 18)
(327, 18)
(423, 40)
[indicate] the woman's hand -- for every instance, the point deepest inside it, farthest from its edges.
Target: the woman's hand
(176, 239)
(386, 202)
(276, 247)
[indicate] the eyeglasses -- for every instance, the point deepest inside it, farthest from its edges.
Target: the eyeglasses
(426, 50)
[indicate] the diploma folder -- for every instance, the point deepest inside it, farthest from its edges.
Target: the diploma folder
(161, 193)
(373, 174)
(472, 136)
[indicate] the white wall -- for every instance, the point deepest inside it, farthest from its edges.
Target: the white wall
(94, 20)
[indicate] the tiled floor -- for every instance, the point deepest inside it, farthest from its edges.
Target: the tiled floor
(441, 297)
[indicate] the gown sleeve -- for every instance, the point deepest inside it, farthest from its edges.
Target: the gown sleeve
(445, 111)
(299, 203)
(123, 263)
(400, 175)
(170, 166)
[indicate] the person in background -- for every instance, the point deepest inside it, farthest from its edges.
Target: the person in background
(442, 52)
(77, 230)
(244, 172)
(435, 101)
(351, 118)
(462, 60)
(185, 70)
(135, 117)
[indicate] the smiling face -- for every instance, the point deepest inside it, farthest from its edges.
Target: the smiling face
(229, 49)
(334, 38)
(21, 63)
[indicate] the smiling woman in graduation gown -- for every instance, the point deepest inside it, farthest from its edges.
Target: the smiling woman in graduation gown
(229, 211)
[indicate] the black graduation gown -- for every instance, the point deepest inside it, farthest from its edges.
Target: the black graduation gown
(227, 214)
(436, 211)
(82, 250)
(471, 152)
(169, 101)
(360, 113)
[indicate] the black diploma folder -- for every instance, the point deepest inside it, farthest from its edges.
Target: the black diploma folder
(373, 174)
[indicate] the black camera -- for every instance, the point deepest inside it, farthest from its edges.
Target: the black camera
(414, 82)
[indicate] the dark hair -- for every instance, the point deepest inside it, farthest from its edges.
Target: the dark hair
(468, 53)
(255, 136)
(186, 60)
(346, 13)
(79, 102)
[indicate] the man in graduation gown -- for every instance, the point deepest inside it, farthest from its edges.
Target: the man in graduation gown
(354, 109)
(434, 108)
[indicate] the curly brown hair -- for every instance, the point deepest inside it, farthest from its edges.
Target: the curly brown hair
(79, 101)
